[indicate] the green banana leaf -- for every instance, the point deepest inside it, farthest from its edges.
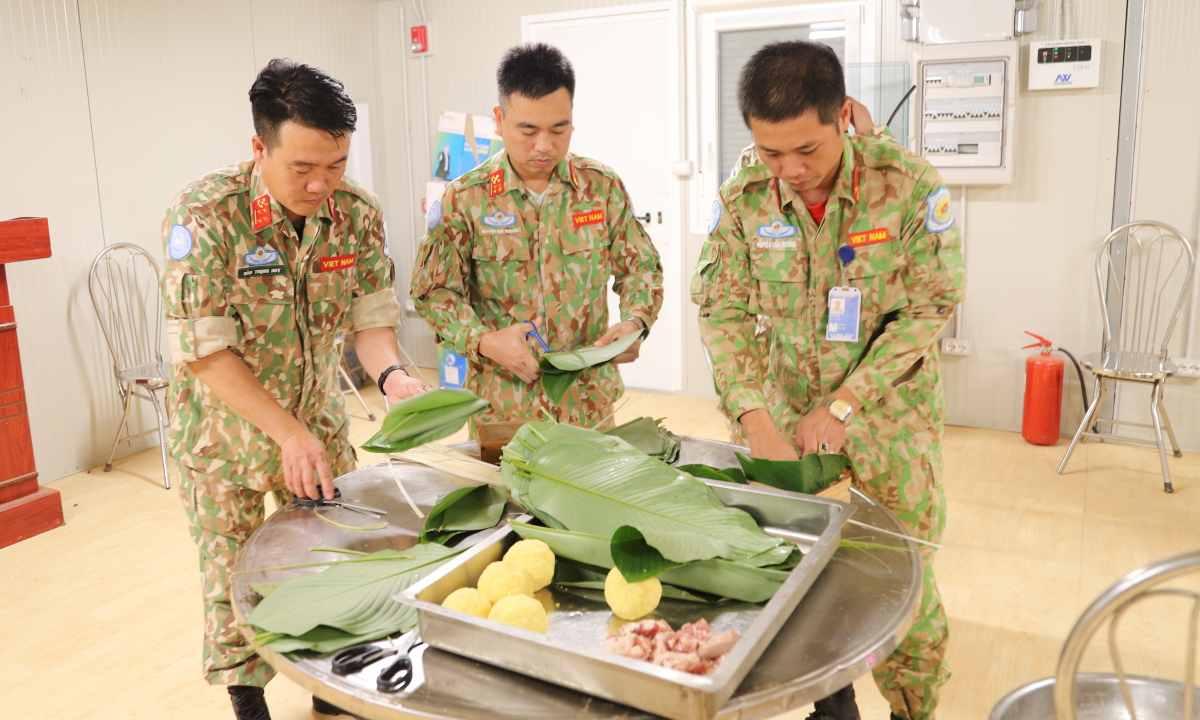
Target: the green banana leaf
(560, 370)
(464, 510)
(649, 436)
(733, 475)
(593, 483)
(718, 578)
(425, 418)
(345, 604)
(807, 475)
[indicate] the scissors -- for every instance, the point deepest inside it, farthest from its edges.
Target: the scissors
(537, 336)
(353, 659)
(335, 502)
(398, 675)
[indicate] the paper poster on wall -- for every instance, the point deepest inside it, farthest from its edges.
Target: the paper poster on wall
(463, 141)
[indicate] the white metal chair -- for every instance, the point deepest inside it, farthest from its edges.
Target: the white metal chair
(1143, 271)
(339, 342)
(1072, 695)
(124, 285)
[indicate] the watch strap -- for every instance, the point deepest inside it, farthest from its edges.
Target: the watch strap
(383, 376)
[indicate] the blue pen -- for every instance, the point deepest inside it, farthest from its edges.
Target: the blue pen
(537, 336)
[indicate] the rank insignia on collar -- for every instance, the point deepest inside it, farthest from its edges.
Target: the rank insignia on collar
(260, 212)
(495, 182)
(574, 177)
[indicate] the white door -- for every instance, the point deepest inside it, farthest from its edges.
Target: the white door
(627, 116)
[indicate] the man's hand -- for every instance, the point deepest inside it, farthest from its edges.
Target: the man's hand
(620, 330)
(765, 441)
(508, 348)
(302, 454)
(818, 428)
(860, 118)
(400, 385)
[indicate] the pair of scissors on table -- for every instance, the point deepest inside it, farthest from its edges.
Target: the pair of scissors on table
(393, 678)
(336, 502)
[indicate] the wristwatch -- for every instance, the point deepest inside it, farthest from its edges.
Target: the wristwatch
(839, 408)
(383, 376)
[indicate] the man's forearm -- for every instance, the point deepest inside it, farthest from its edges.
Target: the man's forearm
(231, 380)
(378, 349)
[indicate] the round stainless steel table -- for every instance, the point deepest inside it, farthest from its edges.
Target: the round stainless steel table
(851, 618)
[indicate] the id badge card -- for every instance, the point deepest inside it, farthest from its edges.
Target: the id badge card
(844, 306)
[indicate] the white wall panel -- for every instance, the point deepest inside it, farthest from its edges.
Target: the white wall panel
(47, 148)
(1167, 181)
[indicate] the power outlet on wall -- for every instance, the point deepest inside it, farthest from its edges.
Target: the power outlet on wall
(1187, 367)
(956, 346)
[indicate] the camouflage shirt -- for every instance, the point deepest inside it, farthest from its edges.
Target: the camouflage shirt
(238, 277)
(768, 266)
(494, 257)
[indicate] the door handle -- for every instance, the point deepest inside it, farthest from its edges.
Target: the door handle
(645, 219)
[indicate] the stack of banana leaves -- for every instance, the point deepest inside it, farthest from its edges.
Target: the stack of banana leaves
(347, 604)
(560, 370)
(605, 504)
(649, 436)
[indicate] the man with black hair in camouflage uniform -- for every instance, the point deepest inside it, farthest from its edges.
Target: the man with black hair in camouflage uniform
(529, 239)
(832, 264)
(268, 260)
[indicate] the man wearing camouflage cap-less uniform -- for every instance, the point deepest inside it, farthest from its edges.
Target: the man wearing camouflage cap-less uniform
(831, 266)
(268, 261)
(533, 234)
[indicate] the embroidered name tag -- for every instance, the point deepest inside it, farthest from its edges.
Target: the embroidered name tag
(591, 217)
(870, 237)
(260, 270)
(775, 244)
(498, 222)
(338, 262)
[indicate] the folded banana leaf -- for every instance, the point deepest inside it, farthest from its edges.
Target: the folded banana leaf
(649, 436)
(569, 574)
(806, 475)
(593, 483)
(464, 510)
(719, 578)
(560, 370)
(425, 418)
(347, 604)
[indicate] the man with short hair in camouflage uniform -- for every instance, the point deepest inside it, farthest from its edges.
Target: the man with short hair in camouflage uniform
(529, 238)
(831, 266)
(268, 260)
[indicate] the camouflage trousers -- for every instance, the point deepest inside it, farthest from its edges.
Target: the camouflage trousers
(912, 676)
(910, 679)
(222, 515)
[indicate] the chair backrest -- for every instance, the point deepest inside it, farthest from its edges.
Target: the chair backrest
(1108, 609)
(124, 285)
(1143, 272)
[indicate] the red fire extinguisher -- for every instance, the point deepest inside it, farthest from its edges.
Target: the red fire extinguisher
(1043, 394)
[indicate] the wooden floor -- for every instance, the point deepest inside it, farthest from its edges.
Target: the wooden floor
(101, 618)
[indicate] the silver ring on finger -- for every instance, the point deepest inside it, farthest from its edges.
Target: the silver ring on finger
(824, 447)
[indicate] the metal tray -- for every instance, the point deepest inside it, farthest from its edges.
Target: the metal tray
(572, 653)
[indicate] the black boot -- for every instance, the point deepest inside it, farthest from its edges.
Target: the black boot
(838, 706)
(327, 708)
(248, 703)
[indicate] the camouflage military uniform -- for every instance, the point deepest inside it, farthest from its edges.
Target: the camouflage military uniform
(767, 265)
(494, 257)
(238, 278)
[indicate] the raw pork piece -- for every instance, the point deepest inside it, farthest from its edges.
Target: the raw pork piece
(694, 648)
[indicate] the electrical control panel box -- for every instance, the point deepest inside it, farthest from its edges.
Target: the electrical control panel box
(966, 111)
(1064, 64)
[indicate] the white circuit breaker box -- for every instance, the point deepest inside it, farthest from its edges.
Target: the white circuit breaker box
(967, 109)
(1064, 64)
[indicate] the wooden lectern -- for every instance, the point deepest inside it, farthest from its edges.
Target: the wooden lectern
(25, 508)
